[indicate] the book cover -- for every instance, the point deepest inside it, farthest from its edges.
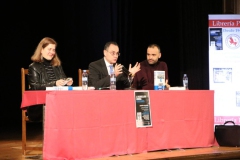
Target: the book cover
(159, 80)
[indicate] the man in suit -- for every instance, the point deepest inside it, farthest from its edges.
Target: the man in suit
(99, 71)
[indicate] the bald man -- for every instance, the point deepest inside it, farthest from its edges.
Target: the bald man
(144, 79)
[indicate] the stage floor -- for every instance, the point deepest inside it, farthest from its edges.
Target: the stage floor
(11, 149)
(224, 153)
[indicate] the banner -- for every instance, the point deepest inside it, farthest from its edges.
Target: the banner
(224, 66)
(142, 109)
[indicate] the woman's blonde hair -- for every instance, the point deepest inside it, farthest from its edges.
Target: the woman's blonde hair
(37, 56)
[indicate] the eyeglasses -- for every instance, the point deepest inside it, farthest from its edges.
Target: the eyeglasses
(114, 53)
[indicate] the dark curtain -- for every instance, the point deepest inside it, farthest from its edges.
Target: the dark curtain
(193, 40)
(81, 29)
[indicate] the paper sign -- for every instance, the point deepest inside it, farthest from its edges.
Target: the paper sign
(142, 109)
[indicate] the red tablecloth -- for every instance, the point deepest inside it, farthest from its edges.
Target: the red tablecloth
(90, 124)
(33, 97)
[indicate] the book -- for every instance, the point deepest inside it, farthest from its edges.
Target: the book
(159, 80)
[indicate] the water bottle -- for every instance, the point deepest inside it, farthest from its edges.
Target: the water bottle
(112, 80)
(185, 81)
(84, 80)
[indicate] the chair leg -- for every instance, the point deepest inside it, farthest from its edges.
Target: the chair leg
(43, 117)
(24, 136)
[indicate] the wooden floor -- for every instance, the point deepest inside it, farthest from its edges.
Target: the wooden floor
(10, 149)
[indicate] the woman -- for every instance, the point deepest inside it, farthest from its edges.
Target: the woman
(45, 71)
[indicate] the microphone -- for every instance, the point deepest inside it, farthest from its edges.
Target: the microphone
(125, 70)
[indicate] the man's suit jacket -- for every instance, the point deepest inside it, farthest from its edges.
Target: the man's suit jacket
(99, 77)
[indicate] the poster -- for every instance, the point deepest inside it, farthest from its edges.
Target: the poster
(224, 66)
(142, 109)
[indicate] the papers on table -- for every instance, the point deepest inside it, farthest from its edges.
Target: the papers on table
(177, 88)
(66, 88)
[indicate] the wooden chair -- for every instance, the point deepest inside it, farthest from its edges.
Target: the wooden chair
(80, 76)
(24, 73)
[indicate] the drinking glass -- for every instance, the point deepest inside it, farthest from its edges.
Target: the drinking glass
(130, 79)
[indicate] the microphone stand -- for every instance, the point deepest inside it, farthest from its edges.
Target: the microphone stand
(130, 78)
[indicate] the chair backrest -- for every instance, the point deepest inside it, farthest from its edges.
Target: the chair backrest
(80, 76)
(24, 73)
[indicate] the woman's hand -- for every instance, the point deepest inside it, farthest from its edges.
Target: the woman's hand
(60, 82)
(65, 81)
(70, 82)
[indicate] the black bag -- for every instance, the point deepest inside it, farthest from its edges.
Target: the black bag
(228, 135)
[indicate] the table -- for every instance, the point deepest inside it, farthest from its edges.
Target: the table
(91, 124)
(33, 97)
